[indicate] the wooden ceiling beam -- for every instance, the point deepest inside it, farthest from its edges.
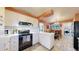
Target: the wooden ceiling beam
(63, 21)
(20, 12)
(47, 13)
(76, 18)
(66, 20)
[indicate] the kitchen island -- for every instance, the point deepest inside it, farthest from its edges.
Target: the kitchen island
(46, 40)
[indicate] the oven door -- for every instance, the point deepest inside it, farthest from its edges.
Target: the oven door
(25, 41)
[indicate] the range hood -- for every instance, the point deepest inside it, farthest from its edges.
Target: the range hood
(25, 23)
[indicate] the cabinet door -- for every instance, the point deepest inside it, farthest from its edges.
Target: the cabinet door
(35, 38)
(14, 43)
(1, 44)
(6, 43)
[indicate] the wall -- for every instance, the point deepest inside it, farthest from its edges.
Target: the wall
(76, 17)
(11, 17)
(2, 12)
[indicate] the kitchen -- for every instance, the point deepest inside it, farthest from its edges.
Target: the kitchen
(39, 29)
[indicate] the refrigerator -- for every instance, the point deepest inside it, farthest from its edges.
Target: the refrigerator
(76, 35)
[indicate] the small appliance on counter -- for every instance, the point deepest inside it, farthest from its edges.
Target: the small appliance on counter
(6, 32)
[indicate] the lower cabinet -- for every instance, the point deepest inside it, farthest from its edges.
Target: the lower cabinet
(1, 44)
(14, 43)
(9, 43)
(35, 38)
(47, 40)
(4, 43)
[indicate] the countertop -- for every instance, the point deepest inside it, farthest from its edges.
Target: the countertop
(8, 35)
(46, 33)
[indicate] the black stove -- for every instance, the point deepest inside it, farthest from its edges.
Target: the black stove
(25, 39)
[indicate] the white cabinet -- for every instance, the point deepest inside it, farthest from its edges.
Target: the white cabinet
(1, 44)
(14, 43)
(35, 38)
(4, 43)
(47, 40)
(9, 43)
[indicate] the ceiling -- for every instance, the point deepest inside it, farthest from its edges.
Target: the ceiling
(60, 13)
(36, 11)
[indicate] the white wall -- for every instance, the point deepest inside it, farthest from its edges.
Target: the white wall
(2, 14)
(12, 19)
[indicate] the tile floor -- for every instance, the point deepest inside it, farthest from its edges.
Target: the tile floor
(60, 45)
